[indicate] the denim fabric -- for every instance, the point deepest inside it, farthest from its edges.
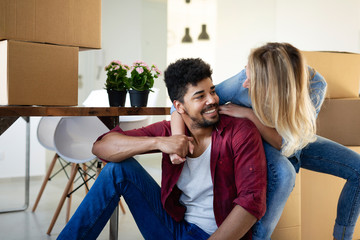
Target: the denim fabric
(323, 156)
(281, 180)
(142, 195)
(232, 90)
(329, 157)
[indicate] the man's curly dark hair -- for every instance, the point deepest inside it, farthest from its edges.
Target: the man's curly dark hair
(182, 72)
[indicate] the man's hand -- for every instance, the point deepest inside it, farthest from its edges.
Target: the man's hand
(177, 146)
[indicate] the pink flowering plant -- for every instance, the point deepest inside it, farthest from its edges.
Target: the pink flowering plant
(142, 76)
(117, 76)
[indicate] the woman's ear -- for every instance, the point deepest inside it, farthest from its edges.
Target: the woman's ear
(179, 106)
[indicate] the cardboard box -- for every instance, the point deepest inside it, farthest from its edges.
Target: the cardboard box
(289, 225)
(339, 120)
(63, 22)
(319, 197)
(38, 74)
(340, 70)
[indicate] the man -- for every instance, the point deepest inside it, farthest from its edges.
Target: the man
(219, 192)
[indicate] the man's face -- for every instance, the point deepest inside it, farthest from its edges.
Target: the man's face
(201, 104)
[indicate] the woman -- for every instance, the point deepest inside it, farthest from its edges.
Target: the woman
(283, 97)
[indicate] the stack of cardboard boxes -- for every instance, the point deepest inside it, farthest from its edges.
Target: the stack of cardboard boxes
(338, 120)
(39, 45)
(310, 211)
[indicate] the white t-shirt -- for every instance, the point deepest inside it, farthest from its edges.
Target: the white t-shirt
(197, 192)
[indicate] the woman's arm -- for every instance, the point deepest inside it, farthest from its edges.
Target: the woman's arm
(178, 128)
(177, 124)
(270, 135)
(115, 147)
(317, 90)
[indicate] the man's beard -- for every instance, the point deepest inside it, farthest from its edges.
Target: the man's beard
(204, 123)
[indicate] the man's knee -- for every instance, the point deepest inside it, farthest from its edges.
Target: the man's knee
(120, 168)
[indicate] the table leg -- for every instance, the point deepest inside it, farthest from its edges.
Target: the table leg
(114, 219)
(27, 171)
(114, 224)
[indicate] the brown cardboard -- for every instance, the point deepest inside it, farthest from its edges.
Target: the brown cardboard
(339, 120)
(340, 70)
(319, 197)
(289, 233)
(63, 22)
(289, 225)
(38, 74)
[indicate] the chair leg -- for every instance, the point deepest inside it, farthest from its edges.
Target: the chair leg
(98, 168)
(46, 179)
(85, 178)
(122, 207)
(74, 169)
(67, 218)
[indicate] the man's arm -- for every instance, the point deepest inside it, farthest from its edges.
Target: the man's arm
(250, 179)
(235, 226)
(115, 147)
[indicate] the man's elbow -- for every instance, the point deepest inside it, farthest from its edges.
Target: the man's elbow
(96, 149)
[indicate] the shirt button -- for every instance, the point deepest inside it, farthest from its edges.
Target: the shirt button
(251, 169)
(220, 162)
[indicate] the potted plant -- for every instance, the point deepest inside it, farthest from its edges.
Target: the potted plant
(141, 81)
(117, 83)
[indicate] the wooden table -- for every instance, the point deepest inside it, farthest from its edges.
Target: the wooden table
(108, 115)
(9, 114)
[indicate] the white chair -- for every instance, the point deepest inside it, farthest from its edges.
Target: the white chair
(45, 135)
(73, 141)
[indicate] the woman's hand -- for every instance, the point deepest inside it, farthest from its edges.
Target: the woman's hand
(269, 134)
(234, 110)
(176, 159)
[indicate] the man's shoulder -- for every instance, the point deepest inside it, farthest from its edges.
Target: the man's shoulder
(164, 125)
(233, 122)
(161, 128)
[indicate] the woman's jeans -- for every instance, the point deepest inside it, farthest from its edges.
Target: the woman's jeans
(142, 195)
(321, 156)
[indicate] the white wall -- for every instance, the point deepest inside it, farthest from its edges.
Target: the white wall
(242, 25)
(13, 149)
(332, 25)
(182, 15)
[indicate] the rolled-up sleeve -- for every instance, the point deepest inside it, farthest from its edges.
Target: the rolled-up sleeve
(318, 87)
(250, 170)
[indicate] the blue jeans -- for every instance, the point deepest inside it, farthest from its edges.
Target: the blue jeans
(142, 195)
(323, 156)
(281, 181)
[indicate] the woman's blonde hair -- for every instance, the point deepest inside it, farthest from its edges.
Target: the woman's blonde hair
(280, 94)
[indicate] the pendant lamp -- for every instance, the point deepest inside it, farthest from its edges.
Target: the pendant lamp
(203, 35)
(187, 38)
